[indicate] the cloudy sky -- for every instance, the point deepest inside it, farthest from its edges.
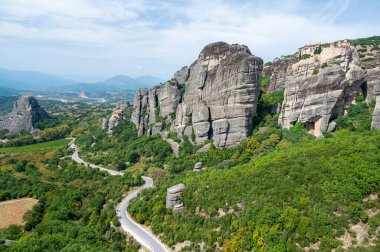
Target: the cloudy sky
(101, 38)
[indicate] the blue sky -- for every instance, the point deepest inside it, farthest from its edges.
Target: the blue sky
(101, 38)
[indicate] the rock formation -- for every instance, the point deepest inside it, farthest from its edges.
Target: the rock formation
(277, 72)
(198, 166)
(376, 112)
(116, 117)
(26, 111)
(318, 89)
(123, 105)
(215, 98)
(173, 197)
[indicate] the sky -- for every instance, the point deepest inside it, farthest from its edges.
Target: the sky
(102, 38)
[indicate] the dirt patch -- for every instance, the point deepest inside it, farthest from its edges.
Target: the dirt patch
(372, 197)
(312, 247)
(11, 211)
(181, 245)
(360, 239)
(372, 212)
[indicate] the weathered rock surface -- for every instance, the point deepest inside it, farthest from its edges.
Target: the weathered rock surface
(372, 80)
(376, 112)
(278, 72)
(316, 97)
(219, 102)
(173, 197)
(198, 166)
(26, 111)
(118, 115)
(139, 114)
(123, 105)
(204, 148)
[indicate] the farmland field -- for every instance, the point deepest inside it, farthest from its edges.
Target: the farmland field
(40, 147)
(11, 211)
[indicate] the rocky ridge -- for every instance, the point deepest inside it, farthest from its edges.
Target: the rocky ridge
(26, 111)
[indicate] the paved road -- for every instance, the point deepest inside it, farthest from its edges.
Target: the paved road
(144, 237)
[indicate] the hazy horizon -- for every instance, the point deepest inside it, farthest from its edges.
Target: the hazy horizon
(96, 40)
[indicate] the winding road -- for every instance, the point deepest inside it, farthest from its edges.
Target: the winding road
(144, 237)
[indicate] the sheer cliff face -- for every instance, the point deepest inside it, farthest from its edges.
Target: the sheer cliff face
(315, 95)
(219, 102)
(376, 93)
(26, 111)
(278, 72)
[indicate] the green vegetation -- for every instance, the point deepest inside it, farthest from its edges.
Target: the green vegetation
(308, 192)
(374, 41)
(264, 82)
(75, 208)
(126, 148)
(40, 147)
(318, 50)
(315, 70)
(324, 65)
(359, 116)
(306, 56)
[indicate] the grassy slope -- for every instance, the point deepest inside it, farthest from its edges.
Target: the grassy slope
(40, 147)
(289, 197)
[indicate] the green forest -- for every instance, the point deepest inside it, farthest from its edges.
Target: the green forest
(75, 204)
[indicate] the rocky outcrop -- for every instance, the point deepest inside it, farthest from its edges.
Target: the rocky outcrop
(215, 98)
(139, 114)
(123, 105)
(376, 111)
(173, 197)
(198, 166)
(182, 75)
(318, 89)
(26, 111)
(277, 71)
(116, 117)
(371, 81)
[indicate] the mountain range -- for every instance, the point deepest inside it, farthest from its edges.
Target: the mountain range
(36, 81)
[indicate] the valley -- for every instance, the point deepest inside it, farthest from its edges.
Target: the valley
(245, 156)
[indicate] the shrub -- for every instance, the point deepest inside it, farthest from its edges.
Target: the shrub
(324, 65)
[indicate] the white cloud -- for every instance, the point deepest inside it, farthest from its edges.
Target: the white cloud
(115, 36)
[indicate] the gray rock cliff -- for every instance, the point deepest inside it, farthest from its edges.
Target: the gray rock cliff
(376, 112)
(316, 95)
(215, 98)
(26, 111)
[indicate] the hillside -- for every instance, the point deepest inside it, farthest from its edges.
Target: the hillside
(310, 193)
(75, 204)
(245, 156)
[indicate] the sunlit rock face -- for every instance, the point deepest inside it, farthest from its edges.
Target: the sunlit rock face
(318, 89)
(215, 98)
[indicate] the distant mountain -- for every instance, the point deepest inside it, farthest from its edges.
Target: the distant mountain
(149, 80)
(123, 82)
(116, 83)
(30, 80)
